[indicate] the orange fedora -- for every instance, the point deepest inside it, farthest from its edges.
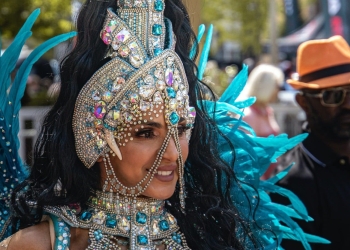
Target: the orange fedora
(322, 63)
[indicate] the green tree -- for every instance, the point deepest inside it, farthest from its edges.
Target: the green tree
(55, 17)
(242, 21)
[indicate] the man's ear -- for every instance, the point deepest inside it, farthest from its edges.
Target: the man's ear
(302, 101)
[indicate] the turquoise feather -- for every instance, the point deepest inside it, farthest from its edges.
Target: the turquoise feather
(201, 30)
(280, 175)
(19, 84)
(10, 104)
(251, 158)
(205, 53)
(235, 88)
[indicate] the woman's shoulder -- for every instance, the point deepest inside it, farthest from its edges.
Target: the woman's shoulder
(32, 238)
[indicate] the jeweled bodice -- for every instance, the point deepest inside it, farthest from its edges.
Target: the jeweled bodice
(143, 222)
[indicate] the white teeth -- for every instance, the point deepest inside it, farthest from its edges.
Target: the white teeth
(164, 173)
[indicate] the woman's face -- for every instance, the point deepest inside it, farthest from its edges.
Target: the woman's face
(139, 155)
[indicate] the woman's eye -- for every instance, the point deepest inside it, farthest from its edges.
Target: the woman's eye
(182, 130)
(145, 134)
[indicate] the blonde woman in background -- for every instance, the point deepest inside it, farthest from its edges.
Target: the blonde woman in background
(264, 83)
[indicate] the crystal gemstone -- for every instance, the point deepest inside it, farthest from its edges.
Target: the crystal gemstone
(157, 97)
(134, 98)
(136, 60)
(107, 96)
(160, 85)
(99, 218)
(100, 110)
(146, 91)
(169, 77)
(117, 84)
(96, 95)
(173, 104)
(124, 51)
(123, 35)
(191, 112)
(106, 37)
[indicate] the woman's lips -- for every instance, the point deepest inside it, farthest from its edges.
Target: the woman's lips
(165, 173)
(160, 175)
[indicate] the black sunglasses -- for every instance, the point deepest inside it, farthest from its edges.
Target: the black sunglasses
(333, 97)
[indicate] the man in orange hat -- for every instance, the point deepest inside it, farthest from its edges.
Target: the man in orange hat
(321, 174)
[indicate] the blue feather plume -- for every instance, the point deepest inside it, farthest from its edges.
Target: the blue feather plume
(11, 94)
(250, 159)
(205, 53)
(201, 30)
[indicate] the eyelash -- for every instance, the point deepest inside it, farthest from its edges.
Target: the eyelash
(182, 129)
(146, 133)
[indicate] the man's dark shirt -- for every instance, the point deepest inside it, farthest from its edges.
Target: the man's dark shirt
(321, 179)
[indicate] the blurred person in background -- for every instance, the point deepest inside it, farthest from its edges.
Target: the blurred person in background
(38, 83)
(321, 174)
(264, 83)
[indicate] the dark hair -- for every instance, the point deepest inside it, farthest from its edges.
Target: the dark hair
(211, 220)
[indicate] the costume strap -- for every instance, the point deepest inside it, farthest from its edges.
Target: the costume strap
(62, 233)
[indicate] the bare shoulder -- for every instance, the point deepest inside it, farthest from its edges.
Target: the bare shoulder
(32, 238)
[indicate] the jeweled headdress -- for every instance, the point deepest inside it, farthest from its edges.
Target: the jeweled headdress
(145, 78)
(144, 72)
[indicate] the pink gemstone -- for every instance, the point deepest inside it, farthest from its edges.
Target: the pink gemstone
(123, 35)
(106, 37)
(169, 77)
(191, 112)
(100, 110)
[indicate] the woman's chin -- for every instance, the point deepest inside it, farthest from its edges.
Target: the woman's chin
(159, 193)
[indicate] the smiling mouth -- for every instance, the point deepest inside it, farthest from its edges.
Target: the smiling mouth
(164, 173)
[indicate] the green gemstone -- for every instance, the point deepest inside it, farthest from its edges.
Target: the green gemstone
(174, 118)
(157, 29)
(158, 5)
(142, 240)
(111, 223)
(86, 216)
(141, 218)
(171, 92)
(157, 51)
(163, 225)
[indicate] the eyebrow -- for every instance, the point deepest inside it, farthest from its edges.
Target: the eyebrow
(158, 125)
(153, 124)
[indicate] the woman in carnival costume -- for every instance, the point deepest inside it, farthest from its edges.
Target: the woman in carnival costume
(131, 156)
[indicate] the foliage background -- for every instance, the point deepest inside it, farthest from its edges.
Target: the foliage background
(55, 18)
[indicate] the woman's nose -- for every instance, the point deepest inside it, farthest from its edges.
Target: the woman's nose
(171, 153)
